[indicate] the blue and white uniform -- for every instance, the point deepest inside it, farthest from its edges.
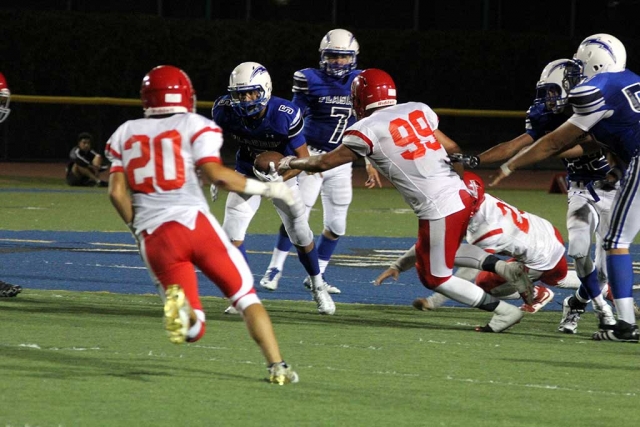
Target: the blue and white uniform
(325, 102)
(608, 106)
(589, 207)
(279, 129)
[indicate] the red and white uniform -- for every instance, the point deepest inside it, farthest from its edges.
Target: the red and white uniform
(501, 228)
(176, 231)
(400, 142)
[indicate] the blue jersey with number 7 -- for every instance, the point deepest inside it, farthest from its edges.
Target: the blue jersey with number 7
(326, 104)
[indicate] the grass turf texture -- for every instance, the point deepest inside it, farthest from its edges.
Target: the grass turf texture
(93, 359)
(80, 358)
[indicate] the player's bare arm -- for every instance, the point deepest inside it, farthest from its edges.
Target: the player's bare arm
(321, 163)
(550, 144)
(120, 196)
(505, 150)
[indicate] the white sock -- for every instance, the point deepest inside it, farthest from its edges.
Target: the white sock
(323, 265)
(624, 307)
(278, 258)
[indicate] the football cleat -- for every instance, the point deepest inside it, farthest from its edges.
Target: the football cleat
(330, 289)
(606, 319)
(571, 310)
(176, 314)
(231, 310)
(542, 297)
(323, 299)
(8, 290)
(281, 374)
(504, 317)
(622, 332)
(271, 278)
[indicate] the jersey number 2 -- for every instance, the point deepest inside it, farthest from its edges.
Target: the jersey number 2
(167, 160)
(406, 133)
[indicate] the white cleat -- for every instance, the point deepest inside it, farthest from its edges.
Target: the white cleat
(323, 299)
(330, 289)
(231, 310)
(571, 310)
(271, 278)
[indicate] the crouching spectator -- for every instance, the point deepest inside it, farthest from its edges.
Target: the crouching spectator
(85, 164)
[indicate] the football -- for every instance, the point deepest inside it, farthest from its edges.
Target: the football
(261, 163)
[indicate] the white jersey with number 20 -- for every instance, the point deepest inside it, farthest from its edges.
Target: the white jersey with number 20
(159, 157)
(401, 145)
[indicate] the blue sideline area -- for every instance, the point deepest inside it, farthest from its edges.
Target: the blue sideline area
(102, 261)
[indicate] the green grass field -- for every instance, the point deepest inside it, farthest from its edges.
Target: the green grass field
(100, 359)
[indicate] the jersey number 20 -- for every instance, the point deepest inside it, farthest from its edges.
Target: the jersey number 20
(167, 157)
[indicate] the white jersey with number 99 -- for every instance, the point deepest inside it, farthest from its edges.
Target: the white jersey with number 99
(159, 157)
(401, 145)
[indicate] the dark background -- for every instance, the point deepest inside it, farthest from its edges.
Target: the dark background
(463, 54)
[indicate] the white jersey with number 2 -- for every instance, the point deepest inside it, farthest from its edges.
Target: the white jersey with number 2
(401, 145)
(500, 228)
(159, 157)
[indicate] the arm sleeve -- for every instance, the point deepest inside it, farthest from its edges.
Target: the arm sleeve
(406, 261)
(206, 141)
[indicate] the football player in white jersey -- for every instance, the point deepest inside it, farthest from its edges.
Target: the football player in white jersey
(501, 228)
(404, 144)
(6, 289)
(155, 189)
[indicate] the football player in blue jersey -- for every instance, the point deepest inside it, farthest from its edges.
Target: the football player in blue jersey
(258, 122)
(324, 97)
(605, 97)
(590, 196)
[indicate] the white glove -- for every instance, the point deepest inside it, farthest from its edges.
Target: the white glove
(284, 163)
(271, 190)
(271, 176)
(281, 191)
(214, 192)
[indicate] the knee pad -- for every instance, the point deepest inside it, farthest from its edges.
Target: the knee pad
(238, 213)
(299, 232)
(336, 220)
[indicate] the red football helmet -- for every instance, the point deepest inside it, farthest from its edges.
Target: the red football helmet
(166, 90)
(371, 89)
(5, 97)
(475, 185)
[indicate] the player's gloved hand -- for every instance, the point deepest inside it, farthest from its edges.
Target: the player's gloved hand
(280, 191)
(467, 160)
(284, 164)
(271, 176)
(214, 192)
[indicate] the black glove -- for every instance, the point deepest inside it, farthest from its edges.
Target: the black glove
(467, 160)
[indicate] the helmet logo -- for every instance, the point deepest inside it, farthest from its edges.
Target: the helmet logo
(602, 45)
(257, 71)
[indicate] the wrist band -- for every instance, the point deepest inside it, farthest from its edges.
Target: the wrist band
(505, 169)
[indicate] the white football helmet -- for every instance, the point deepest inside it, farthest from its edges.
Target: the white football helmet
(248, 77)
(5, 98)
(550, 90)
(599, 53)
(338, 42)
